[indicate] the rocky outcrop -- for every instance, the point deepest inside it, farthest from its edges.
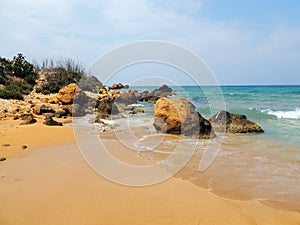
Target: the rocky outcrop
(67, 95)
(153, 96)
(105, 106)
(178, 116)
(234, 123)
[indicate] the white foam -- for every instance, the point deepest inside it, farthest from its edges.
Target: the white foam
(284, 114)
(109, 122)
(136, 105)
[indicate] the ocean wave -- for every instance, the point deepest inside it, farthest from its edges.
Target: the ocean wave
(284, 114)
(136, 105)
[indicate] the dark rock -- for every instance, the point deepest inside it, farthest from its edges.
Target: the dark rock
(2, 159)
(136, 110)
(234, 123)
(78, 110)
(24, 147)
(27, 119)
(61, 113)
(127, 98)
(106, 108)
(153, 96)
(5, 145)
(165, 88)
(117, 86)
(178, 116)
(41, 109)
(50, 122)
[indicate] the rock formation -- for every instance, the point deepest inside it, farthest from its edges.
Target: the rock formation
(50, 122)
(127, 98)
(27, 119)
(178, 116)
(67, 94)
(234, 123)
(105, 106)
(117, 86)
(153, 96)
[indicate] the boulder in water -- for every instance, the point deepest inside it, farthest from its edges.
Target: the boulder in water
(234, 123)
(178, 116)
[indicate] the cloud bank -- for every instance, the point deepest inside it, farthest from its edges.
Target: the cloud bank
(239, 52)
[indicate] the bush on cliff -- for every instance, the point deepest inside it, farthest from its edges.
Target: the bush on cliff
(17, 77)
(64, 71)
(56, 78)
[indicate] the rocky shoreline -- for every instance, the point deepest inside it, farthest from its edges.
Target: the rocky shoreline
(171, 115)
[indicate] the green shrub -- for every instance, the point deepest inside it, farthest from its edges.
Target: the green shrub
(18, 77)
(23, 69)
(10, 94)
(45, 92)
(57, 78)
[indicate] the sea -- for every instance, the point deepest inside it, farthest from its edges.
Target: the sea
(263, 167)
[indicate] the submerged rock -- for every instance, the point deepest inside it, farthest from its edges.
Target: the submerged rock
(178, 116)
(234, 123)
(136, 111)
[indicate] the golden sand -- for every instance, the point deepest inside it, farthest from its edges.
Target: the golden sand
(54, 185)
(33, 136)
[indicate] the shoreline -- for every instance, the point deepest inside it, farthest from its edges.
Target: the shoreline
(57, 196)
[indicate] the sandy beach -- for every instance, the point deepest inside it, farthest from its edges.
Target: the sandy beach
(54, 185)
(13, 136)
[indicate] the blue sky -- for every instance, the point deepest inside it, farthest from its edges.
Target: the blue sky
(243, 42)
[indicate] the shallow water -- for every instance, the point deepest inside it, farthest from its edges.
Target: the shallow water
(264, 166)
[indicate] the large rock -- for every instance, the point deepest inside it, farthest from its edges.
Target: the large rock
(127, 98)
(178, 116)
(67, 95)
(106, 108)
(234, 123)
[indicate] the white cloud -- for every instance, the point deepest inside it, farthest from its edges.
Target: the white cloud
(87, 29)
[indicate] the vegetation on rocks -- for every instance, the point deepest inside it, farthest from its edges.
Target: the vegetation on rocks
(63, 72)
(17, 77)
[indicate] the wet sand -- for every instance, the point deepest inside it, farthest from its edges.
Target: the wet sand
(54, 185)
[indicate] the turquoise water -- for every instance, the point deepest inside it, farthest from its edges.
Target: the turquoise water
(275, 108)
(259, 166)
